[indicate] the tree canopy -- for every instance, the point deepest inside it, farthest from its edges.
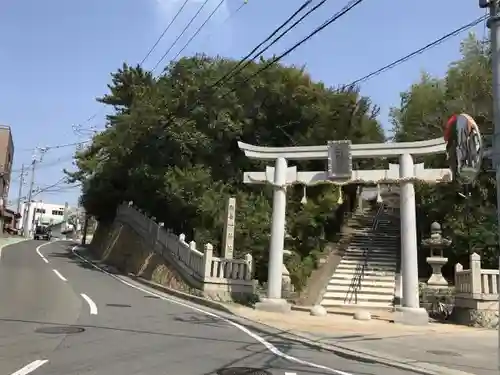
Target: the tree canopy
(171, 147)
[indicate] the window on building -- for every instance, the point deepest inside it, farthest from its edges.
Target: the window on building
(57, 212)
(40, 210)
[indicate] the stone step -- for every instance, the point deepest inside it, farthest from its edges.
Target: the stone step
(362, 289)
(372, 262)
(352, 296)
(372, 254)
(357, 267)
(374, 241)
(368, 276)
(377, 274)
(383, 284)
(360, 257)
(368, 262)
(373, 250)
(368, 305)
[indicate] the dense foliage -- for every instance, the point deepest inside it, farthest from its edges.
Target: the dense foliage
(171, 147)
(467, 214)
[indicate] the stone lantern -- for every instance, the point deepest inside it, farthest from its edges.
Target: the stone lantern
(436, 243)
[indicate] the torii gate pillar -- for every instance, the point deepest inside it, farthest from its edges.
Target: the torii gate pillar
(274, 302)
(410, 312)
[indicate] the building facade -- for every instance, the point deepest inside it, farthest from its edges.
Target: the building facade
(41, 213)
(6, 159)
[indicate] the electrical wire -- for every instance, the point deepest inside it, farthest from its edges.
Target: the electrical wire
(417, 52)
(231, 15)
(56, 147)
(181, 34)
(274, 41)
(244, 60)
(164, 32)
(158, 41)
(347, 8)
(199, 29)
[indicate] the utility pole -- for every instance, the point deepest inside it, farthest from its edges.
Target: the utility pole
(493, 24)
(36, 159)
(20, 193)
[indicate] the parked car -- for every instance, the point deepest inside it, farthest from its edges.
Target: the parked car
(42, 233)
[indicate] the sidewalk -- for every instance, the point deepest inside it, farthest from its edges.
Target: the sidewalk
(4, 241)
(440, 348)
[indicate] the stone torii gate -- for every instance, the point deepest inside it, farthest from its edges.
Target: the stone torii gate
(339, 155)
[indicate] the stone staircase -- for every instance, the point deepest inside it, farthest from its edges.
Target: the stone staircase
(366, 274)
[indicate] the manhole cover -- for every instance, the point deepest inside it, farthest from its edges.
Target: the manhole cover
(242, 371)
(152, 297)
(443, 352)
(60, 330)
(117, 305)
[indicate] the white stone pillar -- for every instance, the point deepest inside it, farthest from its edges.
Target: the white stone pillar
(274, 302)
(410, 312)
(277, 230)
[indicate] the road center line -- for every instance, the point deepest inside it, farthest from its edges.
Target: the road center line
(31, 367)
(92, 305)
(59, 275)
(242, 328)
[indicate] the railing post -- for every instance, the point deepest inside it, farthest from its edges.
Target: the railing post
(160, 227)
(458, 281)
(180, 245)
(207, 260)
(475, 271)
(249, 266)
(192, 247)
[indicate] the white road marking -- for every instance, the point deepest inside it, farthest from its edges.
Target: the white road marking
(92, 305)
(31, 367)
(40, 253)
(59, 275)
(243, 329)
(290, 373)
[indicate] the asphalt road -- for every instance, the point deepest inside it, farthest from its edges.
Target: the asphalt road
(126, 329)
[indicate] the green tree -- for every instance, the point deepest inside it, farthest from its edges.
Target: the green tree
(171, 147)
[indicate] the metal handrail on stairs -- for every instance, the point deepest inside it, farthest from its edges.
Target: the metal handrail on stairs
(355, 285)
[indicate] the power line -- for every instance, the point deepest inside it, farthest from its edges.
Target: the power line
(151, 50)
(230, 74)
(231, 15)
(181, 34)
(164, 32)
(419, 51)
(199, 29)
(347, 8)
(352, 4)
(275, 40)
(55, 147)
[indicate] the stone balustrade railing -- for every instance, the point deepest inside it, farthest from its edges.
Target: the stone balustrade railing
(476, 283)
(476, 294)
(214, 275)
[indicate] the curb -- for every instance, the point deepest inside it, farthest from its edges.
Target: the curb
(307, 340)
(185, 296)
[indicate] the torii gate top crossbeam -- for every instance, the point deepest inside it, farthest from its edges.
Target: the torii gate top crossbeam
(368, 150)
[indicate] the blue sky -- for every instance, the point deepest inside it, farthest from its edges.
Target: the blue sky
(56, 56)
